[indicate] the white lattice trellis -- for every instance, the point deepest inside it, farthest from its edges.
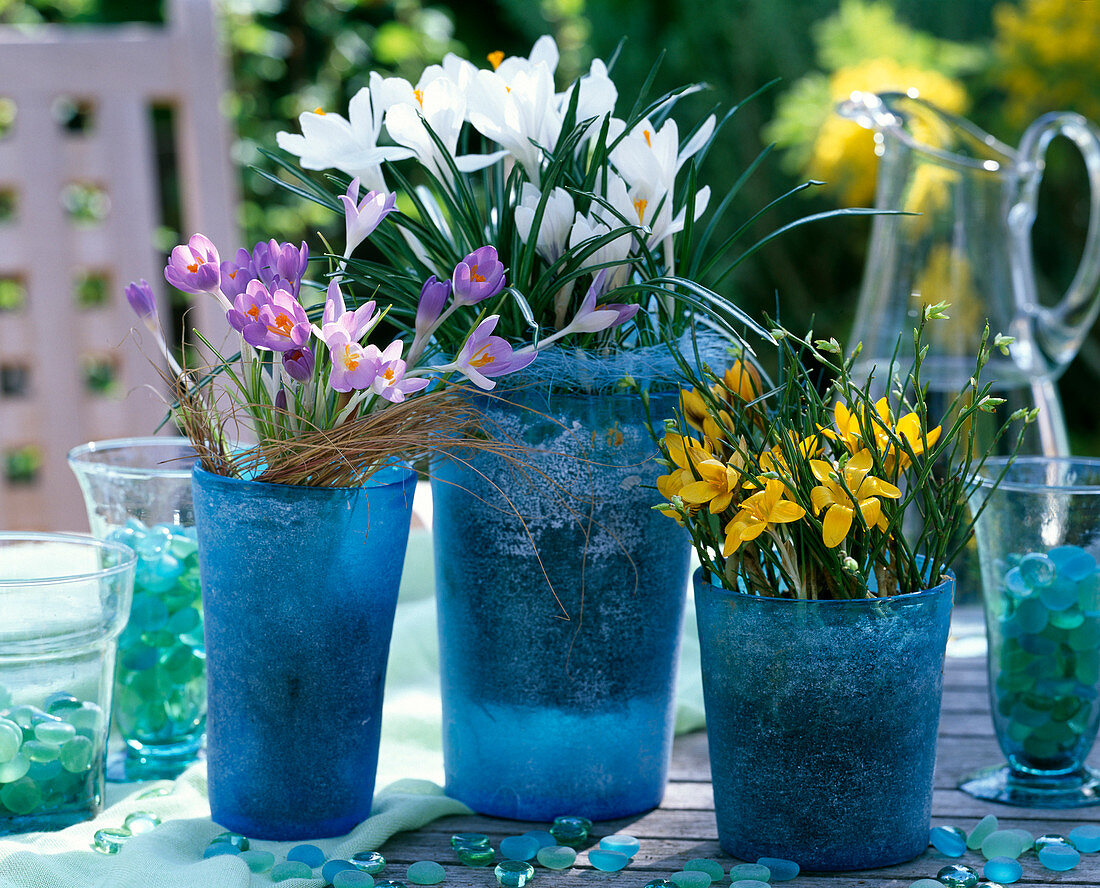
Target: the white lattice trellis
(78, 209)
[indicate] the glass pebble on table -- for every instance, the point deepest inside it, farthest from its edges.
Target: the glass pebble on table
(1045, 841)
(926, 883)
(981, 831)
(514, 873)
(425, 872)
(354, 879)
(310, 855)
(691, 879)
(749, 883)
(474, 856)
(469, 840)
(368, 862)
(557, 857)
(948, 840)
(231, 838)
(571, 830)
(544, 837)
(957, 875)
(141, 822)
(110, 840)
(290, 869)
(1005, 870)
(1004, 843)
(1085, 838)
(658, 883)
(624, 844)
(782, 870)
(518, 847)
(388, 883)
(756, 871)
(705, 865)
(1059, 858)
(337, 865)
(258, 861)
(607, 861)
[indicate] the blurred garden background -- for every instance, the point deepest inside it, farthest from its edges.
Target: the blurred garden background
(1001, 63)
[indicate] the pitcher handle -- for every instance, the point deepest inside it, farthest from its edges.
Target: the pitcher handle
(1061, 328)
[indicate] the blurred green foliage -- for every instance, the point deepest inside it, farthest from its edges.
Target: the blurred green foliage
(294, 55)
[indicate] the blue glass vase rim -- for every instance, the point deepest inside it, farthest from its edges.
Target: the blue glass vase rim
(123, 558)
(394, 475)
(993, 467)
(82, 457)
(944, 587)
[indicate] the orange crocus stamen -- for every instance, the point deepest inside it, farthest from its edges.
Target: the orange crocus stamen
(648, 141)
(388, 374)
(351, 360)
(194, 266)
(639, 207)
(319, 110)
(419, 93)
(474, 276)
(495, 58)
(282, 325)
(253, 313)
(481, 357)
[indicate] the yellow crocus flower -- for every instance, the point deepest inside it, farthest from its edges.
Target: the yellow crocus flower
(763, 508)
(859, 490)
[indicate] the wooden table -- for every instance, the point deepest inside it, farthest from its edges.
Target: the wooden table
(683, 827)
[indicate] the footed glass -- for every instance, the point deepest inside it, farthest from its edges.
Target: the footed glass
(300, 586)
(560, 604)
(138, 491)
(63, 601)
(1039, 541)
(821, 721)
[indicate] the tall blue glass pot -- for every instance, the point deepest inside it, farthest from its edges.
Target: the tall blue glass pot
(821, 720)
(560, 601)
(299, 589)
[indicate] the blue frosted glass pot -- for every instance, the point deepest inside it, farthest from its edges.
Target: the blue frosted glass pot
(559, 633)
(299, 589)
(822, 719)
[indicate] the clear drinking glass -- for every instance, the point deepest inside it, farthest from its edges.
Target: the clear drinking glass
(64, 599)
(1039, 543)
(138, 492)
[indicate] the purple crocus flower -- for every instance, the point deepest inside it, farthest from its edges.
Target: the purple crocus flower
(479, 276)
(268, 320)
(237, 274)
(337, 319)
(280, 266)
(281, 400)
(353, 368)
(591, 318)
(484, 356)
(433, 296)
(361, 219)
(194, 267)
(299, 363)
(390, 381)
(143, 301)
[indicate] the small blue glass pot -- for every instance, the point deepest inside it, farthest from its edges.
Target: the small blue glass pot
(299, 589)
(821, 720)
(560, 603)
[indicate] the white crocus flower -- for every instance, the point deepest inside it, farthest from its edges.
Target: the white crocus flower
(544, 52)
(594, 225)
(440, 104)
(521, 116)
(461, 72)
(329, 141)
(557, 220)
(597, 97)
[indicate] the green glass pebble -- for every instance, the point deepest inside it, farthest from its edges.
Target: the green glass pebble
(557, 857)
(926, 883)
(258, 861)
(11, 737)
(782, 870)
(356, 879)
(1048, 839)
(607, 861)
(1086, 838)
(705, 865)
(1027, 840)
(220, 849)
(750, 871)
(749, 883)
(1059, 858)
(368, 862)
(1002, 843)
(541, 836)
(475, 856)
(691, 879)
(518, 847)
(958, 876)
(425, 872)
(290, 869)
(571, 830)
(54, 733)
(37, 751)
(15, 768)
(981, 831)
(109, 841)
(948, 840)
(230, 838)
(310, 855)
(513, 873)
(141, 822)
(61, 702)
(338, 865)
(22, 796)
(158, 792)
(469, 840)
(76, 755)
(624, 844)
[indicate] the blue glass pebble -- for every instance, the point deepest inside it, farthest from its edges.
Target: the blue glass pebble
(926, 883)
(705, 865)
(1059, 858)
(519, 847)
(1037, 570)
(388, 883)
(782, 870)
(290, 869)
(949, 840)
(353, 879)
(368, 862)
(756, 871)
(230, 838)
(258, 861)
(219, 848)
(691, 879)
(513, 873)
(958, 876)
(557, 857)
(627, 845)
(543, 837)
(658, 883)
(1003, 869)
(310, 855)
(607, 861)
(1016, 585)
(337, 865)
(748, 883)
(425, 872)
(1085, 839)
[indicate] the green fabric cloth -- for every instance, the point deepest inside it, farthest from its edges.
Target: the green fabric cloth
(410, 770)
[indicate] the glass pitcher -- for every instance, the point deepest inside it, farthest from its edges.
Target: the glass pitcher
(970, 202)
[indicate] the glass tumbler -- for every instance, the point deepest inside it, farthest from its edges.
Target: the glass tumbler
(64, 599)
(138, 492)
(1039, 543)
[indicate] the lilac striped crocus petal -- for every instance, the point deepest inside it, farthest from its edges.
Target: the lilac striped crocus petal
(266, 320)
(299, 363)
(362, 217)
(280, 266)
(477, 277)
(433, 296)
(142, 300)
(194, 267)
(237, 274)
(485, 356)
